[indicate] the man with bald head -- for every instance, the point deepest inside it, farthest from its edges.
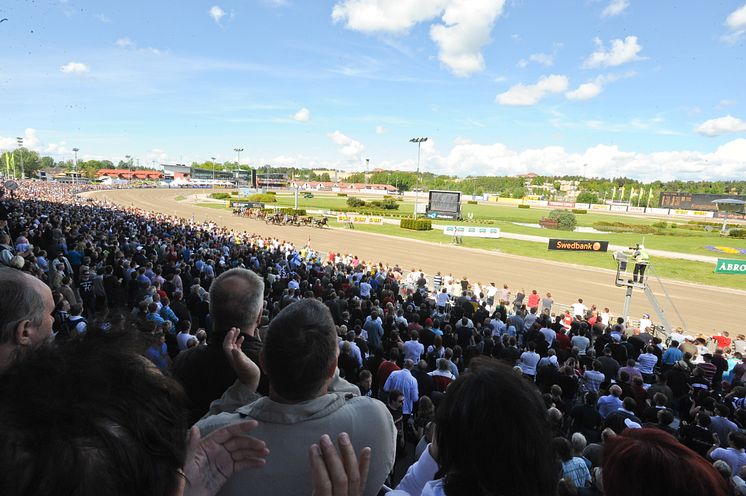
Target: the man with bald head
(26, 307)
(236, 300)
(611, 402)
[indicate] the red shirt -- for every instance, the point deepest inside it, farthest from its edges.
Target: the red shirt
(533, 300)
(722, 341)
(384, 371)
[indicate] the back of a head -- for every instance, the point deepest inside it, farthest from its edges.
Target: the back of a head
(90, 417)
(300, 348)
(489, 414)
(650, 462)
(20, 300)
(236, 299)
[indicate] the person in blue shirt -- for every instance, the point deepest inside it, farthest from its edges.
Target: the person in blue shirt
(672, 355)
(153, 315)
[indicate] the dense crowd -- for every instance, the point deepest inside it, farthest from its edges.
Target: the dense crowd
(138, 352)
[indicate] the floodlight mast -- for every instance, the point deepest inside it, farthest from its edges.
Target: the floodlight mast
(419, 142)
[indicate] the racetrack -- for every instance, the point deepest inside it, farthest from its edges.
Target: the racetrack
(706, 309)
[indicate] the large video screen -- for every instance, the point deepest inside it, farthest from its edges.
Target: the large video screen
(445, 201)
(694, 201)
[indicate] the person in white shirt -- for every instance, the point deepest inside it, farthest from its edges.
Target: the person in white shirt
(645, 323)
(413, 349)
(442, 299)
(529, 360)
(579, 308)
(605, 317)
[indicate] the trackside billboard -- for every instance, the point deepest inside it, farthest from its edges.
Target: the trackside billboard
(578, 245)
(726, 266)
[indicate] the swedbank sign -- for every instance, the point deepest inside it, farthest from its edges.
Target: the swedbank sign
(725, 266)
(577, 245)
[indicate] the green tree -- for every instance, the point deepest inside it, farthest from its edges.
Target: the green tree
(325, 178)
(564, 218)
(587, 197)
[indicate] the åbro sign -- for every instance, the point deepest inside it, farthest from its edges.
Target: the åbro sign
(726, 266)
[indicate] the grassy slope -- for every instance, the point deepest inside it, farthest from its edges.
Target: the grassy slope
(696, 272)
(504, 216)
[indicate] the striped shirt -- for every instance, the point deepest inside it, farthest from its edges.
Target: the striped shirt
(576, 469)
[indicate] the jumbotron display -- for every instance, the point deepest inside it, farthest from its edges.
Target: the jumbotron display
(444, 204)
(693, 201)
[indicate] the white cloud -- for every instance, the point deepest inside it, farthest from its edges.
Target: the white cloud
(216, 13)
(303, 115)
(380, 129)
(348, 147)
(620, 52)
(592, 89)
(125, 43)
(466, 158)
(102, 18)
(540, 58)
(464, 29)
(721, 125)
(615, 8)
(75, 68)
(736, 25)
(585, 91)
(32, 141)
(396, 17)
(531, 94)
(726, 103)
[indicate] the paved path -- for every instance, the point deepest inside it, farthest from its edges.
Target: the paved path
(705, 308)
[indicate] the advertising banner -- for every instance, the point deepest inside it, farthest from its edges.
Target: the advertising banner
(561, 204)
(478, 232)
(600, 207)
(637, 210)
(618, 208)
(727, 266)
(360, 219)
(656, 211)
(578, 245)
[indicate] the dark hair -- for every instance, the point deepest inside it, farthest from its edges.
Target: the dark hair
(563, 448)
(647, 462)
(91, 417)
(300, 346)
(489, 414)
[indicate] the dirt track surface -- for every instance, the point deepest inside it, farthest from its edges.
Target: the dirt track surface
(705, 309)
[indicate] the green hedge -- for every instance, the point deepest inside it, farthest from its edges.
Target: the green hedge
(522, 205)
(341, 194)
(621, 227)
(384, 204)
(737, 233)
(263, 197)
(273, 193)
(220, 196)
(579, 211)
(416, 224)
(292, 211)
(355, 202)
(471, 202)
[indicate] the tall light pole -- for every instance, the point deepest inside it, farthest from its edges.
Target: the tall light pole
(419, 142)
(20, 145)
(75, 163)
(238, 159)
(129, 164)
(213, 168)
(365, 176)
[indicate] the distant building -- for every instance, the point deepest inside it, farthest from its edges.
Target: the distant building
(343, 187)
(130, 174)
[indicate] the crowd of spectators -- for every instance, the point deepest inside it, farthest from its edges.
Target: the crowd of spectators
(139, 350)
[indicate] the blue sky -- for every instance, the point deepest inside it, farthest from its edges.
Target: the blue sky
(653, 90)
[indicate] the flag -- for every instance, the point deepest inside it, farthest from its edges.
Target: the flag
(631, 193)
(613, 194)
(621, 196)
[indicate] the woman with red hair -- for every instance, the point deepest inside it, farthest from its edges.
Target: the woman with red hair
(650, 462)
